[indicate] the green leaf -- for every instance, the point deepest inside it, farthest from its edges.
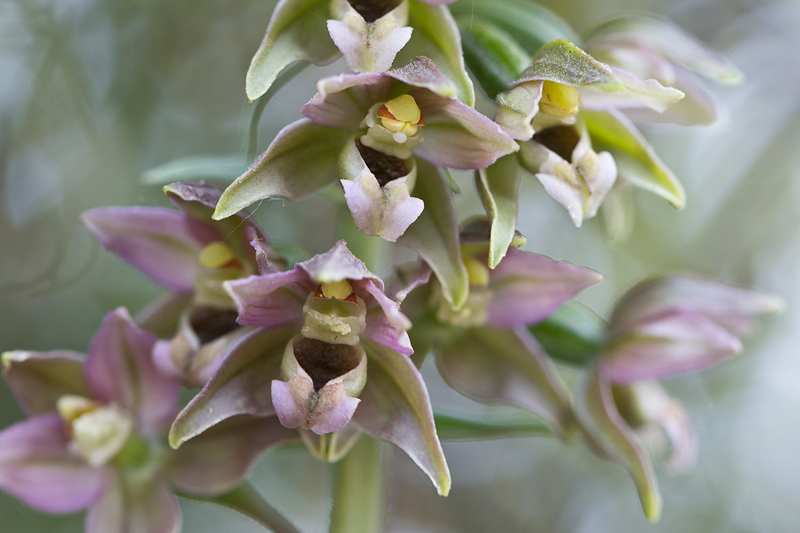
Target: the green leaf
(434, 235)
(436, 36)
(297, 31)
(470, 429)
(245, 499)
(196, 168)
(574, 334)
(498, 189)
(526, 22)
(636, 160)
(492, 56)
(302, 160)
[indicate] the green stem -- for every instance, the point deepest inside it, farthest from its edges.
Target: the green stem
(358, 490)
(288, 73)
(245, 499)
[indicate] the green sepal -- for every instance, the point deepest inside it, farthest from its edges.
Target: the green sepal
(498, 189)
(297, 31)
(434, 235)
(636, 160)
(436, 36)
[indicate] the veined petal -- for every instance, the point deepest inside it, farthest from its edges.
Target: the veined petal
(241, 386)
(390, 308)
(498, 189)
(636, 160)
(395, 407)
(677, 343)
(381, 330)
(338, 264)
(436, 36)
(296, 32)
(271, 300)
(37, 467)
(39, 379)
(221, 458)
(162, 244)
(300, 161)
(506, 366)
(457, 136)
(596, 411)
(135, 508)
(370, 46)
(527, 288)
(434, 235)
(120, 368)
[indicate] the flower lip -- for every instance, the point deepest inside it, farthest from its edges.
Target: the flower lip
(559, 139)
(323, 361)
(384, 167)
(372, 10)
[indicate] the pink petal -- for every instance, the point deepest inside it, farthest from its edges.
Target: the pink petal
(162, 244)
(37, 467)
(120, 368)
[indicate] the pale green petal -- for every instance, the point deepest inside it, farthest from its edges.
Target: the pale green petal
(636, 160)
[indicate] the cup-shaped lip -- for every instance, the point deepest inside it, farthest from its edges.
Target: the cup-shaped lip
(325, 363)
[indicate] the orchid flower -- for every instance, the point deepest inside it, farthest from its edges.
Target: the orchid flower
(654, 47)
(562, 107)
(664, 327)
(96, 438)
(364, 128)
(191, 255)
(486, 351)
(369, 33)
(329, 357)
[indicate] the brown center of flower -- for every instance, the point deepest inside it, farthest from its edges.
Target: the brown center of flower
(559, 139)
(324, 362)
(211, 323)
(372, 10)
(384, 167)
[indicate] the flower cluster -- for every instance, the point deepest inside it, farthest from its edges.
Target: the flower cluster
(322, 350)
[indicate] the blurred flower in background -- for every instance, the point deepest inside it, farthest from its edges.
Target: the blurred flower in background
(93, 93)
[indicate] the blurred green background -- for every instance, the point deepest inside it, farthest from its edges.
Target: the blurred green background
(95, 92)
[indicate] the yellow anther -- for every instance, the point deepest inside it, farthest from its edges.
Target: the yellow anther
(401, 115)
(216, 255)
(559, 100)
(340, 290)
(70, 407)
(477, 271)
